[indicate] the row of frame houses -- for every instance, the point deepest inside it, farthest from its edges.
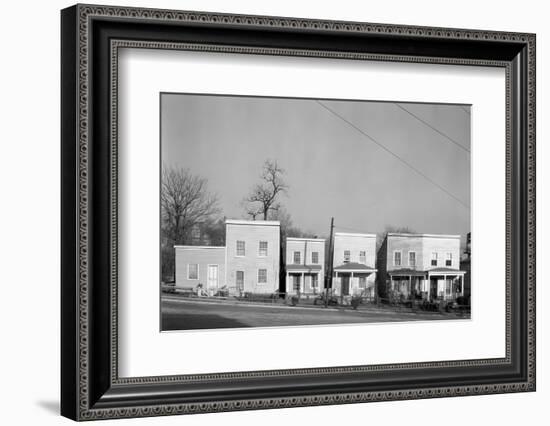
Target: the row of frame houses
(255, 260)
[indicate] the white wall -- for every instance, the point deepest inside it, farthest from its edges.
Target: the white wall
(29, 179)
(204, 257)
(252, 233)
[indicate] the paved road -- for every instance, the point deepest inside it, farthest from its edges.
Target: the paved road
(185, 314)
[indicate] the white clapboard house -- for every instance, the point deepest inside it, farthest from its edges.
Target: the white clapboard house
(248, 263)
(420, 266)
(253, 256)
(304, 266)
(354, 272)
(200, 267)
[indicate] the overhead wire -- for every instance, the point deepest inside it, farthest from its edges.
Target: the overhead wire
(393, 154)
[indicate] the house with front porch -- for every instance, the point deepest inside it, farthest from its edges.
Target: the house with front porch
(252, 256)
(420, 266)
(353, 264)
(304, 266)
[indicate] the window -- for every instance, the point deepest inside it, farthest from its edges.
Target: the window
(262, 276)
(262, 250)
(347, 256)
(315, 257)
(434, 259)
(449, 259)
(397, 258)
(412, 258)
(296, 257)
(363, 257)
(240, 280)
(193, 271)
(240, 248)
(362, 282)
(314, 281)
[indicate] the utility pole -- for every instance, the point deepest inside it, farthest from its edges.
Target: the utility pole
(330, 261)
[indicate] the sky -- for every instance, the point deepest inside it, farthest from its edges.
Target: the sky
(367, 164)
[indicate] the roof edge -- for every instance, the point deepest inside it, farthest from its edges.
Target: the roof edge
(187, 247)
(252, 222)
(405, 234)
(355, 234)
(305, 239)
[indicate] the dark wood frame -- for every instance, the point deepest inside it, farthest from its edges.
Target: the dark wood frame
(90, 386)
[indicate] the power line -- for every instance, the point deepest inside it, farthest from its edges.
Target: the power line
(433, 128)
(392, 153)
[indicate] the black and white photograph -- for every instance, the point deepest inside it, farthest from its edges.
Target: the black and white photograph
(300, 212)
(272, 207)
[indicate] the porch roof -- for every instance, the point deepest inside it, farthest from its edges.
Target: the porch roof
(420, 273)
(354, 267)
(303, 268)
(445, 271)
(407, 272)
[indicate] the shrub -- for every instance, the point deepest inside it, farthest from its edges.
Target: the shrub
(355, 302)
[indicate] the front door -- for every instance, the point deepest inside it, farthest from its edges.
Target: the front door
(433, 288)
(212, 276)
(345, 285)
(296, 283)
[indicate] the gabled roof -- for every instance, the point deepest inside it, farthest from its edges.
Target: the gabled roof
(354, 266)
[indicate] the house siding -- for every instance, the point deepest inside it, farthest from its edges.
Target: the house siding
(355, 243)
(423, 245)
(202, 256)
(252, 232)
(306, 247)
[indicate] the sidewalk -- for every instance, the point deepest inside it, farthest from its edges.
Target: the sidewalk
(279, 304)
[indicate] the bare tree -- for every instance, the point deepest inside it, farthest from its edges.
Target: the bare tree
(288, 228)
(185, 202)
(391, 228)
(263, 197)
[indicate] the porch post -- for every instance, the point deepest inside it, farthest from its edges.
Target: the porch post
(445, 292)
(287, 282)
(410, 286)
(428, 286)
(303, 283)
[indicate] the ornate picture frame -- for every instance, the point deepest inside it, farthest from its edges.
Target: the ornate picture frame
(91, 37)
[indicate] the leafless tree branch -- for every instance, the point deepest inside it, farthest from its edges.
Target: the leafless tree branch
(263, 196)
(185, 201)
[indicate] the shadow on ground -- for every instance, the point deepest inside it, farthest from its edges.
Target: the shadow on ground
(50, 406)
(196, 322)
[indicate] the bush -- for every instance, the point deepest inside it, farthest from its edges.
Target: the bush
(355, 302)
